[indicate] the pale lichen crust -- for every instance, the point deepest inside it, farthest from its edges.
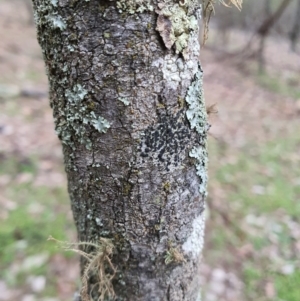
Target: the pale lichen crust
(125, 101)
(51, 16)
(176, 23)
(200, 154)
(197, 116)
(134, 6)
(194, 243)
(196, 112)
(75, 116)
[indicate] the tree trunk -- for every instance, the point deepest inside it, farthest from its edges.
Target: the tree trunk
(268, 23)
(261, 48)
(294, 34)
(126, 92)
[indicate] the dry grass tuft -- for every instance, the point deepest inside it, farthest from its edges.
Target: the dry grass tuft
(237, 3)
(98, 264)
(207, 10)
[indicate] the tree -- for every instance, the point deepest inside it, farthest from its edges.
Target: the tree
(256, 45)
(264, 29)
(296, 28)
(126, 91)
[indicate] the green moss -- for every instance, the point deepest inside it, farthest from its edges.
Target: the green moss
(180, 102)
(160, 106)
(167, 186)
(126, 188)
(173, 255)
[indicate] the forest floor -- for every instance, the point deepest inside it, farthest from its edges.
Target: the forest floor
(253, 209)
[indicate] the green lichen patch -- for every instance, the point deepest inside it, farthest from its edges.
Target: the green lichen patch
(100, 124)
(75, 116)
(200, 154)
(57, 21)
(125, 101)
(197, 117)
(49, 16)
(176, 23)
(196, 112)
(76, 94)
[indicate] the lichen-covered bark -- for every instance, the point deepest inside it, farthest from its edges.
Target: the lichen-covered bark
(126, 92)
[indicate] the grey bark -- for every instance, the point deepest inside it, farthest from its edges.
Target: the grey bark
(126, 92)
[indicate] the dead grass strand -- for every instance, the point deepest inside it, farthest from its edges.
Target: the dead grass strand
(209, 9)
(98, 265)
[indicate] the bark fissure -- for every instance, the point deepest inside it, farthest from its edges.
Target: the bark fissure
(135, 163)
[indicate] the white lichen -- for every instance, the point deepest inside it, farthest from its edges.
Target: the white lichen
(100, 124)
(54, 2)
(48, 15)
(134, 6)
(76, 94)
(125, 101)
(175, 70)
(200, 154)
(194, 244)
(98, 221)
(70, 48)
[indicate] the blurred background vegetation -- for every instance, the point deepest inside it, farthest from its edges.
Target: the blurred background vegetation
(253, 221)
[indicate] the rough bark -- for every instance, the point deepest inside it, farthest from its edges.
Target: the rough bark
(126, 92)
